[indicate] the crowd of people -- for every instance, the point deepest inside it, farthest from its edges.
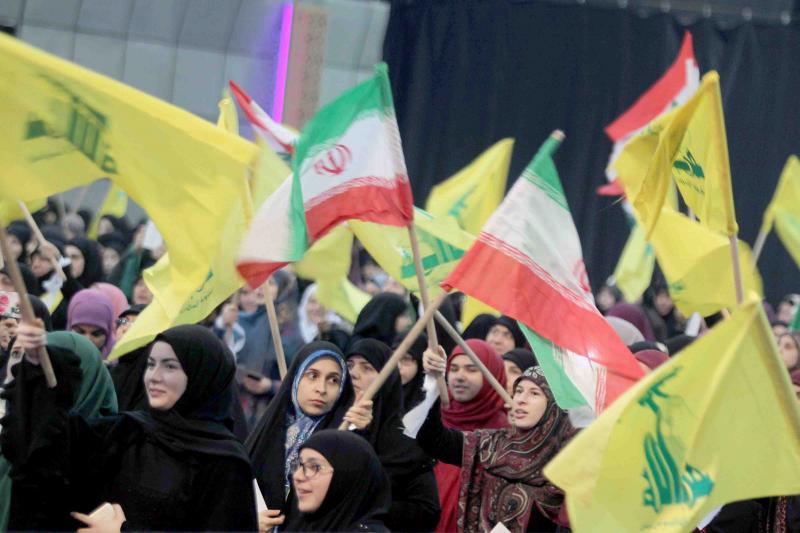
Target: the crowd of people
(198, 431)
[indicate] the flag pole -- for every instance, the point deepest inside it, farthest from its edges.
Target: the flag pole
(25, 305)
(391, 364)
(433, 341)
(759, 244)
(737, 269)
(275, 330)
(39, 237)
(475, 359)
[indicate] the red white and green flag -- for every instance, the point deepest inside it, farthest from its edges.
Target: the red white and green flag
(527, 263)
(348, 164)
(278, 137)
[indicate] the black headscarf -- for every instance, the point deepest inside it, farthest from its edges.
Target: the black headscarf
(114, 240)
(28, 277)
(376, 320)
(22, 232)
(266, 444)
(524, 359)
(200, 421)
(448, 311)
(479, 327)
(399, 454)
(92, 261)
(358, 496)
(413, 393)
(519, 338)
(40, 311)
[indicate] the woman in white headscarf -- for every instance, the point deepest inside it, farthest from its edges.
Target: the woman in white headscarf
(317, 323)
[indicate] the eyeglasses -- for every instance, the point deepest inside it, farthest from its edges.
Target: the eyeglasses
(310, 470)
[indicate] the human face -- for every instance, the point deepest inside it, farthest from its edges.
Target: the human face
(789, 352)
(501, 339)
(93, 333)
(311, 480)
(318, 389)
(605, 299)
(141, 293)
(779, 330)
(402, 323)
(76, 257)
(315, 310)
(785, 312)
(164, 379)
(110, 260)
(362, 373)
(394, 286)
(663, 303)
(124, 324)
(512, 373)
(9, 325)
(408, 367)
(464, 379)
(14, 245)
(250, 299)
(528, 404)
(40, 266)
(104, 226)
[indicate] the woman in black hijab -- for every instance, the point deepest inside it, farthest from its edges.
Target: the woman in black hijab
(88, 268)
(479, 327)
(410, 367)
(174, 466)
(516, 362)
(379, 318)
(415, 498)
(355, 498)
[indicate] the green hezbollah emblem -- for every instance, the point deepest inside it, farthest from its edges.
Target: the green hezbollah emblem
(438, 251)
(668, 483)
(458, 207)
(688, 164)
(76, 122)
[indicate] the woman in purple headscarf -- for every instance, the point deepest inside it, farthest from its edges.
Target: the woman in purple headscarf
(91, 314)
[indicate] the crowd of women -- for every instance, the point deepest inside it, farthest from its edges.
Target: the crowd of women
(198, 431)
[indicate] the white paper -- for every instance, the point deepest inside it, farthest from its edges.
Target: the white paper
(707, 520)
(693, 325)
(261, 505)
(500, 528)
(416, 417)
(152, 239)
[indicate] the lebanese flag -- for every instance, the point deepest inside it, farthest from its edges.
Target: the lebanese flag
(278, 137)
(527, 263)
(348, 164)
(672, 89)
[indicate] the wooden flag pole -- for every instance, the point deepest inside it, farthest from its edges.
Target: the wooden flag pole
(737, 269)
(433, 341)
(759, 245)
(39, 237)
(25, 305)
(391, 364)
(275, 330)
(62, 211)
(475, 359)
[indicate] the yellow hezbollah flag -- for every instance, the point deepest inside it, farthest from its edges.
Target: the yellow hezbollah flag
(697, 264)
(717, 424)
(689, 145)
(65, 126)
(784, 209)
(10, 210)
(635, 266)
(441, 244)
(115, 203)
(328, 263)
(221, 278)
(472, 195)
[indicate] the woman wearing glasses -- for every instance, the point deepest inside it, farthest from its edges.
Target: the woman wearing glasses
(340, 485)
(314, 387)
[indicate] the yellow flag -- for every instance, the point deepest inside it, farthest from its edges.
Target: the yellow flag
(115, 203)
(472, 195)
(635, 266)
(697, 264)
(10, 210)
(718, 423)
(687, 145)
(328, 263)
(65, 126)
(221, 278)
(441, 243)
(473, 307)
(784, 209)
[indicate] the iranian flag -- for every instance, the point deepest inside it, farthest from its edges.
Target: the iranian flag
(672, 89)
(527, 263)
(278, 137)
(348, 164)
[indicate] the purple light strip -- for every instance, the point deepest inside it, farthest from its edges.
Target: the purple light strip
(283, 62)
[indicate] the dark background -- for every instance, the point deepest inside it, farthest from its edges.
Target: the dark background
(466, 73)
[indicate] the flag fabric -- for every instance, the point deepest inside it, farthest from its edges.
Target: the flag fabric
(697, 264)
(280, 138)
(673, 88)
(527, 263)
(65, 126)
(784, 210)
(442, 244)
(471, 195)
(115, 203)
(10, 210)
(635, 267)
(348, 164)
(716, 424)
(687, 145)
(221, 279)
